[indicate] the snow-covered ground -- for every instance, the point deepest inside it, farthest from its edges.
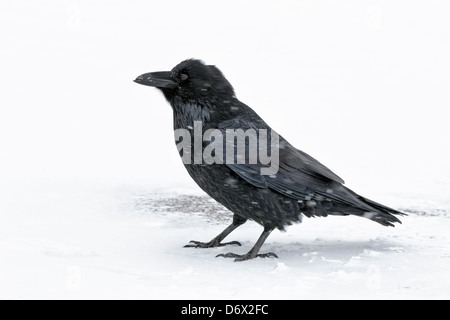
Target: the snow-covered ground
(117, 240)
(94, 200)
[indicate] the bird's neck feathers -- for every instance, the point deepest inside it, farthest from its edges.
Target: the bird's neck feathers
(186, 112)
(208, 112)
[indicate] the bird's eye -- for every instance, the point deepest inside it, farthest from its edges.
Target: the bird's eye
(184, 77)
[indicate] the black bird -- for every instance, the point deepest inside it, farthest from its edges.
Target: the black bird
(302, 185)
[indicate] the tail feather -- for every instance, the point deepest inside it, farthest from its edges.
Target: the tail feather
(381, 213)
(343, 201)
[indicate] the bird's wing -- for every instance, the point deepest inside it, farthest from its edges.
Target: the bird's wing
(309, 165)
(291, 160)
(299, 175)
(318, 190)
(294, 160)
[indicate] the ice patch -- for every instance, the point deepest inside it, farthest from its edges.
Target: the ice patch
(280, 267)
(330, 260)
(371, 253)
(396, 249)
(354, 261)
(306, 254)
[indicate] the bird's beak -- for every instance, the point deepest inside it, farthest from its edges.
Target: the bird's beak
(156, 79)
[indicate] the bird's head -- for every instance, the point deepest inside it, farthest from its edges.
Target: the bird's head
(190, 80)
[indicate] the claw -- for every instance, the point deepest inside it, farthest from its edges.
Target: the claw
(231, 243)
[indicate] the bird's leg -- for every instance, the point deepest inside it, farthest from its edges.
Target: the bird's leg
(217, 241)
(253, 253)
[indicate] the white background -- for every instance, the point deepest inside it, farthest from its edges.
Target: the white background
(363, 86)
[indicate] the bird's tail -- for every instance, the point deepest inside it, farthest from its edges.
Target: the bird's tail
(381, 213)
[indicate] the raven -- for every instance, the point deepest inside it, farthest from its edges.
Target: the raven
(199, 93)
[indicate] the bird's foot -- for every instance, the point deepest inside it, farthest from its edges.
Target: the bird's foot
(247, 256)
(211, 244)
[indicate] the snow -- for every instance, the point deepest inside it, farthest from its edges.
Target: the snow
(76, 240)
(95, 202)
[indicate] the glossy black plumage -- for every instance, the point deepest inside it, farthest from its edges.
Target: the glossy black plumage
(302, 185)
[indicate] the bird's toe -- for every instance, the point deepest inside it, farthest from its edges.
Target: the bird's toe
(195, 244)
(211, 244)
(247, 256)
(267, 255)
(231, 243)
(229, 255)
